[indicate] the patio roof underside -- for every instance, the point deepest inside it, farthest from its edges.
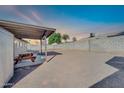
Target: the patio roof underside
(21, 30)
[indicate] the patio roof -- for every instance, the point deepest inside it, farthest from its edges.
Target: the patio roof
(21, 30)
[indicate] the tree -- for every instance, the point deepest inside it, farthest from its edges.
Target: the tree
(55, 38)
(74, 39)
(58, 38)
(92, 35)
(65, 37)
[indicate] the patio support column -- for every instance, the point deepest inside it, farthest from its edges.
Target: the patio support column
(45, 48)
(89, 45)
(40, 45)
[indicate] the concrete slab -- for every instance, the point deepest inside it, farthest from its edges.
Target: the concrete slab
(73, 68)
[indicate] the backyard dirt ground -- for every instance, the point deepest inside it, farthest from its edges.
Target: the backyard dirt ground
(71, 69)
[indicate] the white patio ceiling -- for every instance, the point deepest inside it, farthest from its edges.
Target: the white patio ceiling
(21, 30)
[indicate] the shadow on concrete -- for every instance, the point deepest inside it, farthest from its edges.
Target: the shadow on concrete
(20, 73)
(51, 58)
(116, 80)
(52, 53)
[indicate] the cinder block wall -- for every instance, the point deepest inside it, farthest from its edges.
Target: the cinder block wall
(108, 44)
(105, 44)
(83, 45)
(6, 56)
(20, 47)
(33, 47)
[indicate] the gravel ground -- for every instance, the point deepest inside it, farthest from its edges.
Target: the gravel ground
(116, 80)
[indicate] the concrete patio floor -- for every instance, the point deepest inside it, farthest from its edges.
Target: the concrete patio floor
(70, 69)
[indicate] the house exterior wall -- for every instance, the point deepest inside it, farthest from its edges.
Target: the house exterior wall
(6, 56)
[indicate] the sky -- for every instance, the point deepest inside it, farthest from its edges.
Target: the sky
(77, 21)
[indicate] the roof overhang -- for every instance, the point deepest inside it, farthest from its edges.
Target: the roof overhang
(21, 30)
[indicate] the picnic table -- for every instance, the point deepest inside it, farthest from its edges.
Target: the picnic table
(25, 56)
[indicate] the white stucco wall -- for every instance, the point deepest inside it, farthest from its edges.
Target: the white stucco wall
(6, 56)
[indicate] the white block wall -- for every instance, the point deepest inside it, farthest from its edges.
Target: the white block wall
(33, 47)
(104, 44)
(111, 44)
(83, 45)
(20, 47)
(6, 56)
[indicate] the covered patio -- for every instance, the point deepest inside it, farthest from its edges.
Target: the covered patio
(21, 30)
(11, 39)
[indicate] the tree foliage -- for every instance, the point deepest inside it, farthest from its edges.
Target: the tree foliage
(55, 38)
(65, 37)
(74, 39)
